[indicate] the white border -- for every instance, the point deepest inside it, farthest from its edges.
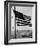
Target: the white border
(33, 28)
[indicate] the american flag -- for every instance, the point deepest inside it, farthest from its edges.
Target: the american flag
(22, 20)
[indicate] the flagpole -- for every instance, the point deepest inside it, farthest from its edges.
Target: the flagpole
(15, 23)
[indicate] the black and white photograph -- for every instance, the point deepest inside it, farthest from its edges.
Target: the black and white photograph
(20, 22)
(23, 22)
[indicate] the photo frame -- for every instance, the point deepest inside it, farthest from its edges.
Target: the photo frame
(20, 22)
